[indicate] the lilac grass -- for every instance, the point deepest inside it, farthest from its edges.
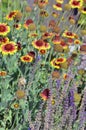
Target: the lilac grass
(82, 115)
(48, 116)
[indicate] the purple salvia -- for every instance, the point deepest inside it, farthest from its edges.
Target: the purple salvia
(48, 116)
(38, 119)
(66, 104)
(71, 97)
(82, 118)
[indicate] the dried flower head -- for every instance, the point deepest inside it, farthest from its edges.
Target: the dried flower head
(18, 16)
(28, 9)
(20, 94)
(55, 74)
(21, 81)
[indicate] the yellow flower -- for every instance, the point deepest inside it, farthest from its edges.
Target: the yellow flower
(26, 58)
(8, 48)
(4, 29)
(11, 15)
(55, 14)
(77, 41)
(60, 1)
(44, 13)
(17, 26)
(16, 105)
(60, 60)
(77, 98)
(54, 64)
(4, 40)
(57, 6)
(68, 34)
(83, 10)
(76, 3)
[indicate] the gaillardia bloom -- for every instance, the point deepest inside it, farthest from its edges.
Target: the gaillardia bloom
(47, 35)
(76, 3)
(44, 13)
(38, 44)
(3, 73)
(17, 26)
(60, 60)
(77, 41)
(56, 39)
(26, 58)
(55, 14)
(45, 94)
(4, 40)
(11, 15)
(60, 1)
(83, 10)
(42, 3)
(58, 6)
(54, 64)
(27, 23)
(68, 34)
(42, 51)
(4, 29)
(8, 48)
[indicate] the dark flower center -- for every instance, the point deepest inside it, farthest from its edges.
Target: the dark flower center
(2, 28)
(26, 58)
(84, 9)
(39, 43)
(69, 33)
(29, 21)
(58, 5)
(8, 47)
(75, 3)
(11, 14)
(59, 60)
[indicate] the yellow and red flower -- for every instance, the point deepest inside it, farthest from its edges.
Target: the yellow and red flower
(83, 10)
(69, 34)
(42, 51)
(76, 3)
(33, 35)
(38, 44)
(55, 14)
(26, 58)
(4, 29)
(3, 73)
(42, 3)
(27, 23)
(17, 26)
(44, 13)
(60, 1)
(56, 39)
(54, 64)
(47, 46)
(60, 60)
(4, 40)
(8, 48)
(58, 6)
(77, 41)
(63, 44)
(32, 54)
(45, 94)
(47, 35)
(65, 76)
(11, 15)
